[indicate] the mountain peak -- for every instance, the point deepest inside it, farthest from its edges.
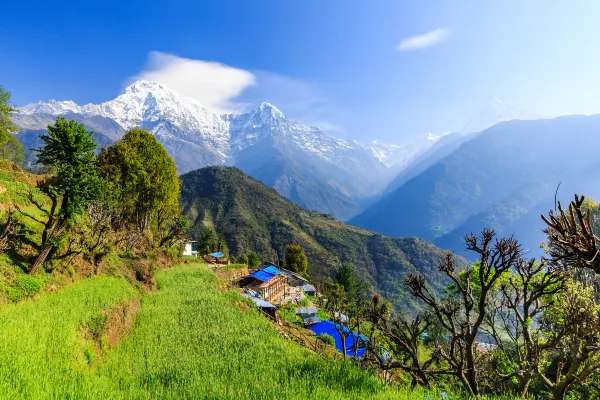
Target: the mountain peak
(493, 111)
(267, 109)
(146, 86)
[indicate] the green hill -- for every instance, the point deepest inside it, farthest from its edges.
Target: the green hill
(253, 217)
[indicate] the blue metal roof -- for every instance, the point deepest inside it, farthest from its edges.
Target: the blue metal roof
(261, 275)
(218, 254)
(271, 270)
(329, 328)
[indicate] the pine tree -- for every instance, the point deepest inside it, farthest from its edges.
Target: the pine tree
(10, 148)
(295, 259)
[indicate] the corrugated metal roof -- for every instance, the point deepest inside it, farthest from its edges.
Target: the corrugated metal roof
(312, 320)
(306, 310)
(308, 288)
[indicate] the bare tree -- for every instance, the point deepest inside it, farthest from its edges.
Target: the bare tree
(463, 313)
(8, 230)
(571, 238)
(520, 300)
(406, 337)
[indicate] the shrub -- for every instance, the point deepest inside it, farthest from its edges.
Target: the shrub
(328, 339)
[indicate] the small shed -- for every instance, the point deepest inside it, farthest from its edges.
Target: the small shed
(306, 312)
(264, 306)
(294, 278)
(310, 321)
(340, 318)
(189, 248)
(217, 255)
(309, 290)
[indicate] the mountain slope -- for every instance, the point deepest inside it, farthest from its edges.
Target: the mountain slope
(251, 216)
(497, 179)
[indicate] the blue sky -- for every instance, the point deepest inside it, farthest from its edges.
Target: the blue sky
(390, 70)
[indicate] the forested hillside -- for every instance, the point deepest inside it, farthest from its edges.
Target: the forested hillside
(253, 217)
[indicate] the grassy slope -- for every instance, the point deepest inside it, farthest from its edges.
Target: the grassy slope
(252, 216)
(190, 340)
(42, 350)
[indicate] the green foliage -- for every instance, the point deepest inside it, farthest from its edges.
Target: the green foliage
(233, 260)
(69, 150)
(328, 339)
(244, 259)
(97, 326)
(23, 287)
(142, 177)
(295, 259)
(253, 260)
(10, 148)
(346, 277)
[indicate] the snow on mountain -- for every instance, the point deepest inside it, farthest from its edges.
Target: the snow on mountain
(155, 107)
(494, 111)
(397, 157)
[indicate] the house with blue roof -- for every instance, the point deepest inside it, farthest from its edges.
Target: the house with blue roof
(269, 282)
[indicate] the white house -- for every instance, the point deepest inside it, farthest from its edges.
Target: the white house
(189, 250)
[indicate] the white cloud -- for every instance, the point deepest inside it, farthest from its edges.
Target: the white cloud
(213, 84)
(423, 41)
(224, 89)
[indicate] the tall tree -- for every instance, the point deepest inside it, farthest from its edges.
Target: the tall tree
(295, 259)
(244, 259)
(253, 260)
(346, 277)
(69, 150)
(144, 176)
(10, 148)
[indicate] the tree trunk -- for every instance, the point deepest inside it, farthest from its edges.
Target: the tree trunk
(471, 374)
(47, 246)
(41, 258)
(524, 386)
(559, 392)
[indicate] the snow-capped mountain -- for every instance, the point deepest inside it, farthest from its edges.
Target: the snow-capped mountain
(398, 157)
(313, 168)
(493, 111)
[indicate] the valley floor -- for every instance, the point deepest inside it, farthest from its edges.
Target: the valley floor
(190, 340)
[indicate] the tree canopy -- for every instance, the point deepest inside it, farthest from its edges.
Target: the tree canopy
(295, 259)
(10, 148)
(142, 175)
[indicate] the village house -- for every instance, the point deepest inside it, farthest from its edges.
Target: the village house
(189, 248)
(294, 279)
(269, 282)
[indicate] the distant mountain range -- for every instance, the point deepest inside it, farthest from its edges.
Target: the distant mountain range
(253, 217)
(303, 163)
(503, 178)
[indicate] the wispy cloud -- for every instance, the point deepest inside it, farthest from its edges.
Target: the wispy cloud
(213, 84)
(223, 89)
(423, 41)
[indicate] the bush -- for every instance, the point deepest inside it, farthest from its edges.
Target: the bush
(328, 339)
(23, 287)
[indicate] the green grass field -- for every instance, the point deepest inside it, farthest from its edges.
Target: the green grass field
(191, 340)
